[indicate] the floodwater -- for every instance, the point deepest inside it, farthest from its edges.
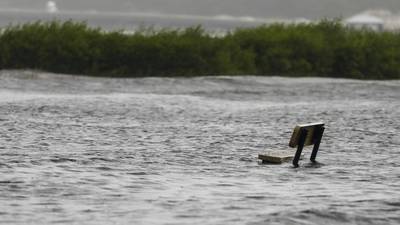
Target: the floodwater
(80, 150)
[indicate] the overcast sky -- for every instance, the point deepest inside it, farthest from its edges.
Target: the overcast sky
(255, 8)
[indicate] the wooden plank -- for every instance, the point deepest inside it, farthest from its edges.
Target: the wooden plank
(277, 156)
(294, 140)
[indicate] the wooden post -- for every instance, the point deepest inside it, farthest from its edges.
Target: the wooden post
(318, 137)
(302, 139)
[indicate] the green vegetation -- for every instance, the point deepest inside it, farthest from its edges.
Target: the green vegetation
(325, 49)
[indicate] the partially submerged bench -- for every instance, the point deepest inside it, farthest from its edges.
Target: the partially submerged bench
(303, 135)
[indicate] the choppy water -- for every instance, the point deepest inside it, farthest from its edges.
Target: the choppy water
(78, 150)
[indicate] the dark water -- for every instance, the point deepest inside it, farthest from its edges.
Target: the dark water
(184, 151)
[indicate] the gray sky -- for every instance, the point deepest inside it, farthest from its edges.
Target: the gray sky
(254, 8)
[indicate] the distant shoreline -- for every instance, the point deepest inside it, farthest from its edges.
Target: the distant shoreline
(324, 49)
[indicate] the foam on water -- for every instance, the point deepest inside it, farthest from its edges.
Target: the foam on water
(184, 150)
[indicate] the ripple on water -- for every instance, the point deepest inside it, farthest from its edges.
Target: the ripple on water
(178, 151)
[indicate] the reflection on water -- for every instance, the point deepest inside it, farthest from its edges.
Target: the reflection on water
(184, 150)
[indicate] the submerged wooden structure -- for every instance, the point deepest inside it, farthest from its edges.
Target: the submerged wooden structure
(303, 135)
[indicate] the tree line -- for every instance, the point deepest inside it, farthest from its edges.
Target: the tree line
(323, 49)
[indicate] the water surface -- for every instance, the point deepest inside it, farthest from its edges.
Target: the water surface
(80, 150)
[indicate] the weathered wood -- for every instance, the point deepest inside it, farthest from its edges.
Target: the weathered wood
(310, 138)
(277, 156)
(303, 135)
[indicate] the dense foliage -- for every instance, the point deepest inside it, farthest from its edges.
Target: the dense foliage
(323, 49)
